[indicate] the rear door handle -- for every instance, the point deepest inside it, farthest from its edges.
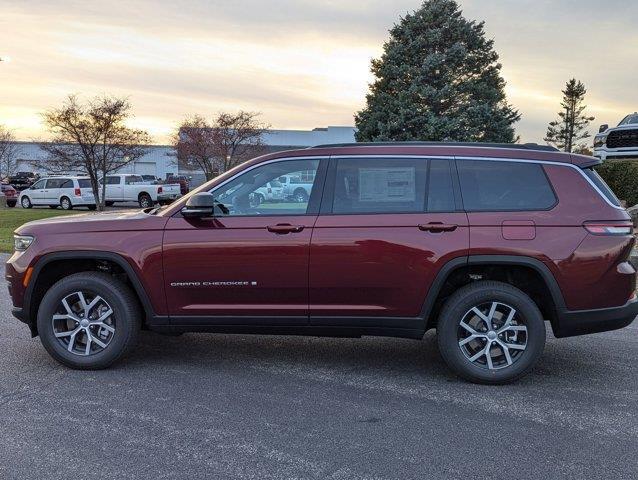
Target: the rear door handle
(282, 229)
(437, 227)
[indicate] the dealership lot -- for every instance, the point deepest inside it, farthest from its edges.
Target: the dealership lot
(222, 406)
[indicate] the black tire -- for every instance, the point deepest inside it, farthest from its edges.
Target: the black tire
(26, 202)
(145, 200)
(300, 196)
(92, 207)
(126, 312)
(65, 203)
(109, 204)
(479, 293)
(12, 204)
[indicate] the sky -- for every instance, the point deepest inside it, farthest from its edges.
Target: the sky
(302, 63)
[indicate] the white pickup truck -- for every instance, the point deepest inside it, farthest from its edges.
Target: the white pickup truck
(133, 188)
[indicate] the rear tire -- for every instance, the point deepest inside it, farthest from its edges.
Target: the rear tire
(92, 207)
(145, 200)
(125, 321)
(66, 204)
(109, 204)
(12, 204)
(473, 333)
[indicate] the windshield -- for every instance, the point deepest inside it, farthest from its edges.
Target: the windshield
(629, 120)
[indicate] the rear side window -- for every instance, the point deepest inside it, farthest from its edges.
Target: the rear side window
(602, 186)
(504, 186)
(379, 185)
(84, 183)
(59, 183)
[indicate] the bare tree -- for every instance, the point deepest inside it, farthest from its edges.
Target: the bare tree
(8, 152)
(217, 146)
(92, 138)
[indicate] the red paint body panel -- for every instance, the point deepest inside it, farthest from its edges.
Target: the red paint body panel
(237, 249)
(379, 265)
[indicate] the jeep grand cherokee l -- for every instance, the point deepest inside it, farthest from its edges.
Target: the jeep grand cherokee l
(484, 243)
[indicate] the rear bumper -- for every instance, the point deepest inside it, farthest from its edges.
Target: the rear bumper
(581, 322)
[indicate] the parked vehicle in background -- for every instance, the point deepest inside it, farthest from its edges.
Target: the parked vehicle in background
(10, 193)
(182, 180)
(297, 186)
(482, 242)
(618, 142)
(66, 192)
(271, 192)
(133, 188)
(22, 180)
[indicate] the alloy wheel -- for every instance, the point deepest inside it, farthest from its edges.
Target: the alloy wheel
(492, 335)
(84, 323)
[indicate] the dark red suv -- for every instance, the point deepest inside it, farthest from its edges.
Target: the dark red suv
(483, 243)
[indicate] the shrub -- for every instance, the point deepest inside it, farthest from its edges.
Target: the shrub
(622, 177)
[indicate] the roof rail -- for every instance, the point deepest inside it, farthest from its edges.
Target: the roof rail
(517, 146)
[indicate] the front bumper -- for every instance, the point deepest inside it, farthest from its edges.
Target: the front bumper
(582, 322)
(605, 153)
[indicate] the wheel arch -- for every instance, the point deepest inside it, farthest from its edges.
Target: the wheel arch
(461, 270)
(88, 261)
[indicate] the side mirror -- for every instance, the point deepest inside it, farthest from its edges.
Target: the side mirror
(603, 128)
(200, 205)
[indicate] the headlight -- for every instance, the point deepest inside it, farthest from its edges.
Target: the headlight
(599, 140)
(22, 242)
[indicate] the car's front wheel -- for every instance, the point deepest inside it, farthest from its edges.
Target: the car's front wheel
(490, 332)
(25, 202)
(88, 320)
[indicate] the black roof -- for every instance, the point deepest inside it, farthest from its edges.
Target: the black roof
(517, 146)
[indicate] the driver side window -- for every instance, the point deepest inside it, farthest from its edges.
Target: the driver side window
(278, 188)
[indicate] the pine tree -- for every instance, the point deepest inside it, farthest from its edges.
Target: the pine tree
(438, 79)
(567, 132)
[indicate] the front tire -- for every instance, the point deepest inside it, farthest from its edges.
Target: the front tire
(490, 332)
(26, 202)
(88, 320)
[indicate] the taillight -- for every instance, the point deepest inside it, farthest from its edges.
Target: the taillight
(159, 190)
(608, 228)
(78, 192)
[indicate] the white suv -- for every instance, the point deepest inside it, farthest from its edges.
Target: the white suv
(64, 191)
(618, 142)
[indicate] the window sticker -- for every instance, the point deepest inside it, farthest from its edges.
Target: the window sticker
(387, 184)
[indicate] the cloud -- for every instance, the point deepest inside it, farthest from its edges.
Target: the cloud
(302, 63)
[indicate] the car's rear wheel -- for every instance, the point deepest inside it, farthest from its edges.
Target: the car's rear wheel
(300, 196)
(66, 204)
(88, 320)
(490, 332)
(26, 202)
(145, 200)
(109, 204)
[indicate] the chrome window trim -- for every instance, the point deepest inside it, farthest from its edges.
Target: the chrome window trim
(267, 162)
(494, 159)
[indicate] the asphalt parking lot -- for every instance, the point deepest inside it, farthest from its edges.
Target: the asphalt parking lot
(260, 407)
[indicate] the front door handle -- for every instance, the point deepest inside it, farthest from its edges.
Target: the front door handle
(437, 227)
(284, 228)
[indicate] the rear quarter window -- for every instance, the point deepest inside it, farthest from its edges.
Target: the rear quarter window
(504, 186)
(602, 186)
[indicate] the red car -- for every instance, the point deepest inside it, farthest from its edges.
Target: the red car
(10, 193)
(484, 243)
